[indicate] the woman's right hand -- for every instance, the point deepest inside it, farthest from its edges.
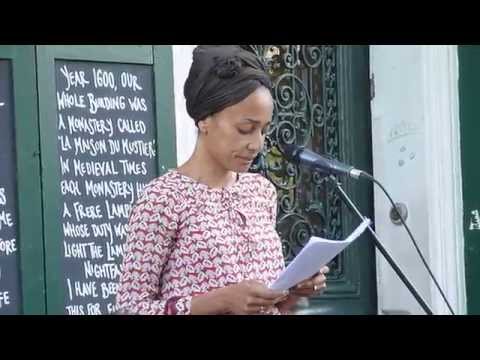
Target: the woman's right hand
(250, 297)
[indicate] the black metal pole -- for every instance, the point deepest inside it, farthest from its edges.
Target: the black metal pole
(382, 250)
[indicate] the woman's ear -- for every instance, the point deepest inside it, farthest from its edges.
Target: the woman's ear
(203, 125)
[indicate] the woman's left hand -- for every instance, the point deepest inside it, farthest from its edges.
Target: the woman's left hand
(313, 285)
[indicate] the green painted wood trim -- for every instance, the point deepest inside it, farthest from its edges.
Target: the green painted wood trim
(469, 90)
(134, 54)
(29, 219)
(356, 139)
(165, 107)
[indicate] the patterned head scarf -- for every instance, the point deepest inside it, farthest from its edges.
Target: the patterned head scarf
(221, 76)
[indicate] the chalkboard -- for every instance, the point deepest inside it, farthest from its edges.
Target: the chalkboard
(10, 298)
(106, 155)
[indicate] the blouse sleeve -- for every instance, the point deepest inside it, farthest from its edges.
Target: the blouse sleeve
(152, 229)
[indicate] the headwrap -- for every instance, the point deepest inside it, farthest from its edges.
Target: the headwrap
(221, 76)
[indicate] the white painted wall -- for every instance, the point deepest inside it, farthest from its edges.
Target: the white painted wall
(399, 164)
(416, 156)
(186, 130)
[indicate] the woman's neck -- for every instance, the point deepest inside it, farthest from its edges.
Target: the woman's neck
(203, 169)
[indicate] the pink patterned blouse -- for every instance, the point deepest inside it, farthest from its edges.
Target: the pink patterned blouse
(186, 239)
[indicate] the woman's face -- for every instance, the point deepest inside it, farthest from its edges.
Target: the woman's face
(234, 136)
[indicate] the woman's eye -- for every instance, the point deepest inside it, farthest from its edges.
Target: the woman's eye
(244, 131)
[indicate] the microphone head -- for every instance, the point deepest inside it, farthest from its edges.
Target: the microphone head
(292, 151)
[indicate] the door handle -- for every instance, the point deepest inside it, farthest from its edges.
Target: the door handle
(402, 210)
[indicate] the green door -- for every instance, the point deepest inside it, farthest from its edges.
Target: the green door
(469, 88)
(322, 99)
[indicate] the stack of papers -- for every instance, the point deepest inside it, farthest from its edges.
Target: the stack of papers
(317, 253)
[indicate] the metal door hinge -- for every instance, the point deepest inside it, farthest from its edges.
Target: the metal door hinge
(372, 87)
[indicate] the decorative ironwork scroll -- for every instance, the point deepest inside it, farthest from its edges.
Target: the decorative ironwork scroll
(305, 93)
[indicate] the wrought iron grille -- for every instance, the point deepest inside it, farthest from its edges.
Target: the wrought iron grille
(305, 113)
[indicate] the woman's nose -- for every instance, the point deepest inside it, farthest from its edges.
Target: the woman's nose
(256, 144)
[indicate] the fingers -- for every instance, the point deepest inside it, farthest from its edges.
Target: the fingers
(307, 292)
(267, 299)
(255, 305)
(314, 285)
(325, 270)
(258, 309)
(318, 280)
(259, 305)
(262, 292)
(261, 297)
(259, 302)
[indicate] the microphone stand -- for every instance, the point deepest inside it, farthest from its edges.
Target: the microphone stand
(380, 247)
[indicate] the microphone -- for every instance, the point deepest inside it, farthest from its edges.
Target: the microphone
(300, 155)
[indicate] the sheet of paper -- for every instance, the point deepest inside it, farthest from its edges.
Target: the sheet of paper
(317, 253)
